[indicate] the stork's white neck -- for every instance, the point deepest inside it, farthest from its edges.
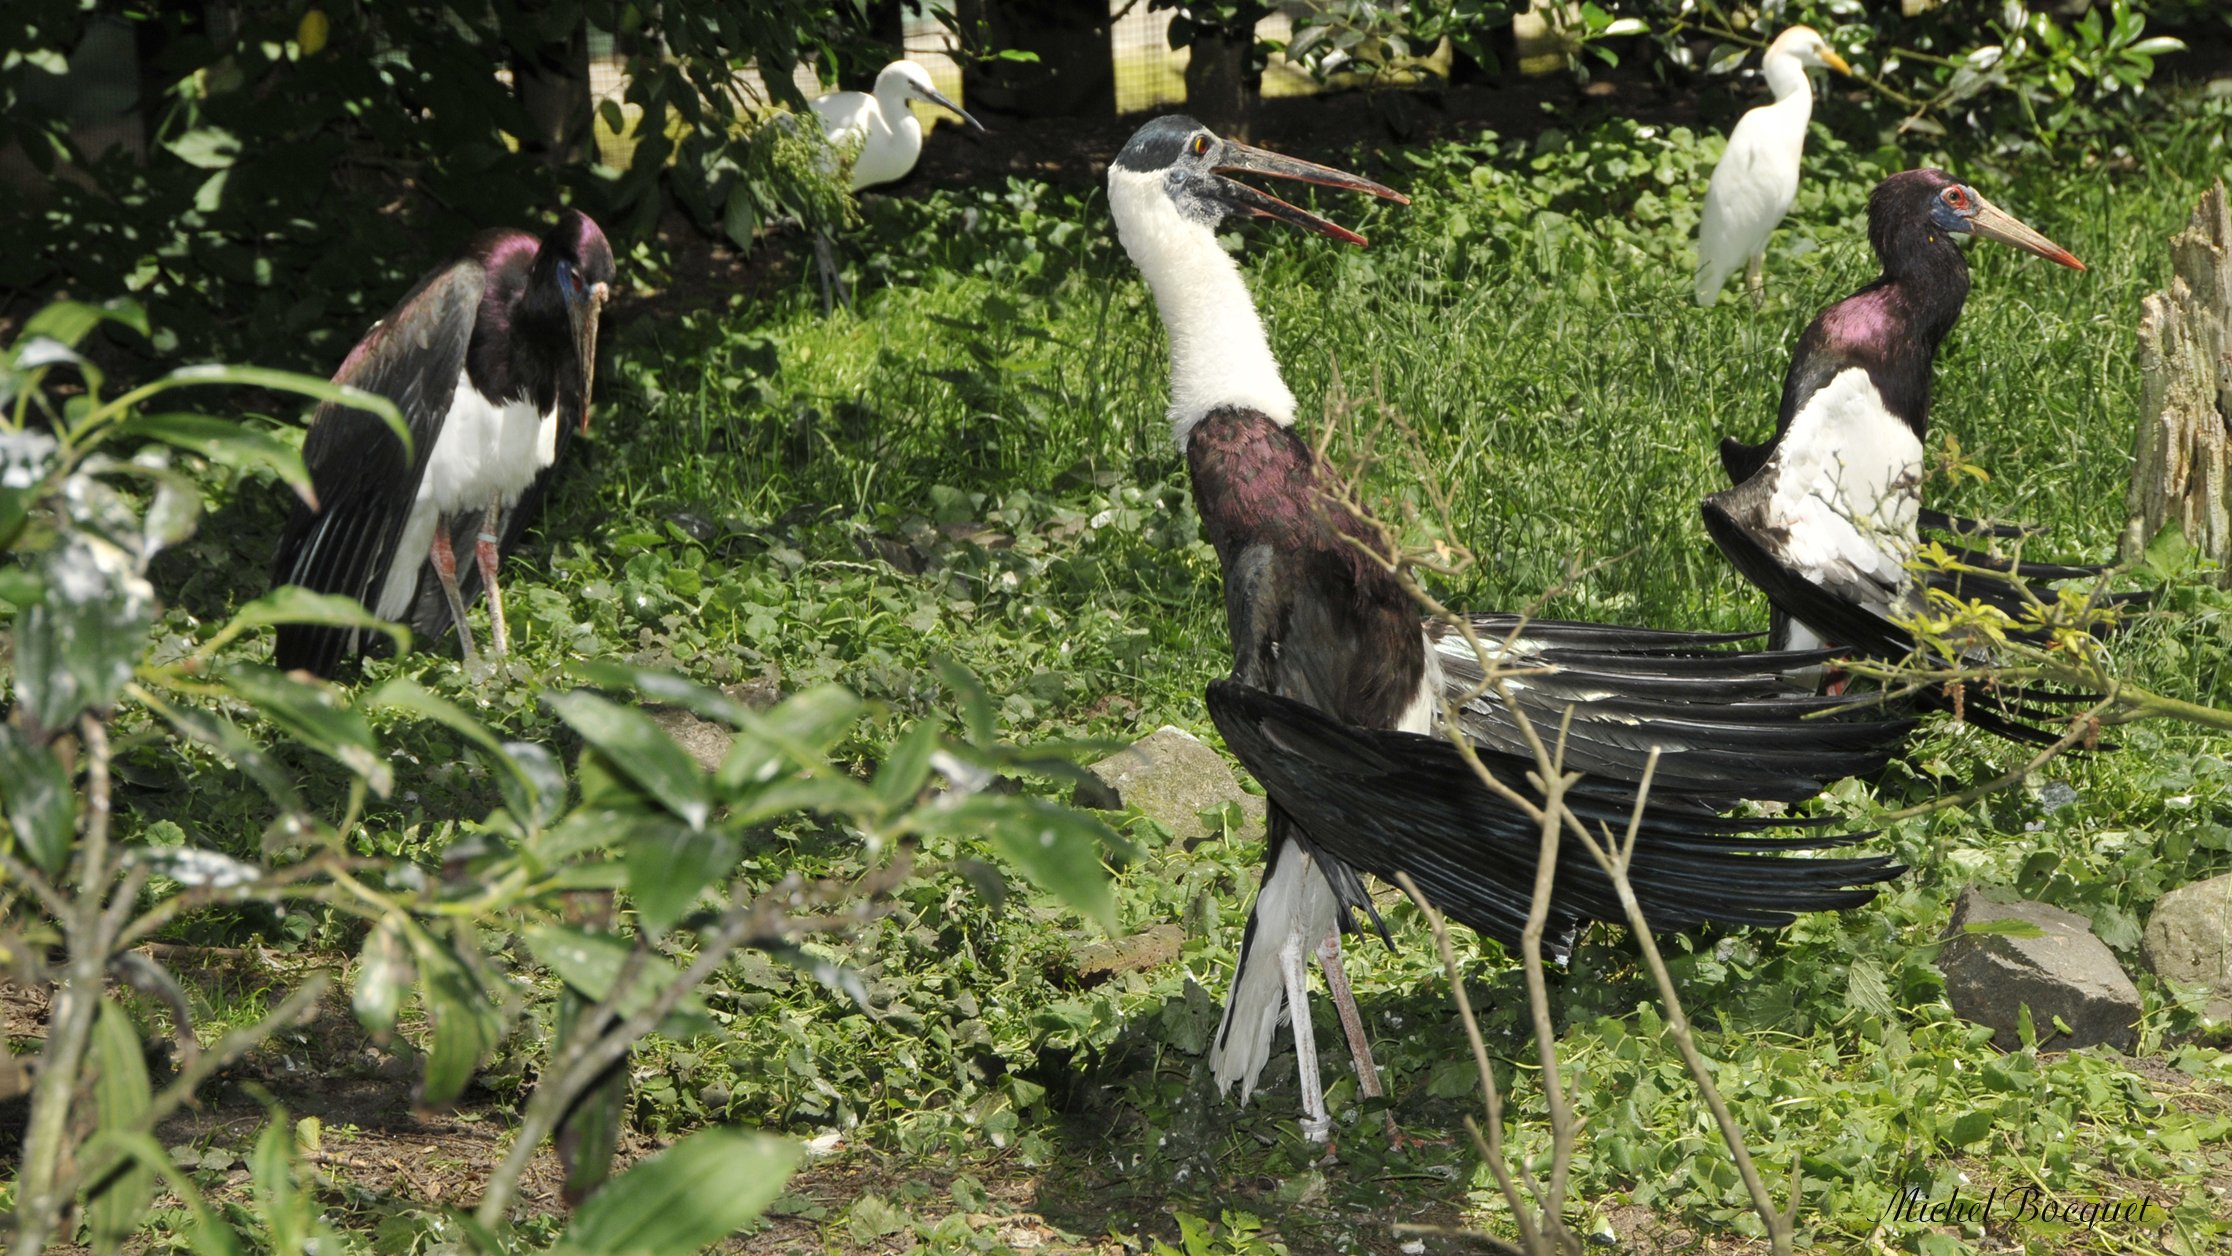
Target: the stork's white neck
(1786, 76)
(1218, 355)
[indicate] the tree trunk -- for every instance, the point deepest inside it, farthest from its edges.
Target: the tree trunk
(2182, 471)
(1075, 74)
(1222, 83)
(551, 79)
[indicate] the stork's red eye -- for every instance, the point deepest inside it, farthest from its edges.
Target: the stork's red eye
(1200, 145)
(1956, 198)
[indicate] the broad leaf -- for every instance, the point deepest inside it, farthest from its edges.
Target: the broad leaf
(121, 1098)
(70, 322)
(978, 712)
(795, 732)
(589, 1133)
(209, 1235)
(42, 807)
(383, 976)
(466, 1026)
(684, 1199)
(904, 771)
(316, 387)
(664, 686)
(228, 739)
(591, 962)
(669, 866)
(75, 649)
(227, 443)
(636, 745)
(1057, 847)
(313, 715)
(293, 604)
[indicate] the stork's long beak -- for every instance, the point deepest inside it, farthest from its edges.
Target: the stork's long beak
(1994, 223)
(938, 98)
(1240, 158)
(588, 349)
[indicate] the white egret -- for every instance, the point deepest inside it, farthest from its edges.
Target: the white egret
(1757, 177)
(879, 136)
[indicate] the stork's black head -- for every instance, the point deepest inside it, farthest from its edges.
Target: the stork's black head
(1915, 209)
(576, 261)
(1192, 161)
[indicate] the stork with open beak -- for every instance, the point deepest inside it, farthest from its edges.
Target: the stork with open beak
(1336, 699)
(490, 359)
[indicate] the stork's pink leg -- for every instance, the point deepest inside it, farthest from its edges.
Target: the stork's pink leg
(1352, 1022)
(444, 559)
(489, 555)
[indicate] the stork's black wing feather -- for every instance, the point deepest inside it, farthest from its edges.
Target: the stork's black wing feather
(1388, 802)
(365, 481)
(1727, 724)
(1857, 630)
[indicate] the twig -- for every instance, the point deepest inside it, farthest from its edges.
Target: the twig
(1489, 1145)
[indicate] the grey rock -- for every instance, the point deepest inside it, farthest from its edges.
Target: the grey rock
(2189, 939)
(2062, 971)
(707, 741)
(1172, 776)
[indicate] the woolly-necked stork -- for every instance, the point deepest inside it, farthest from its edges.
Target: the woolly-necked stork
(1825, 515)
(1336, 681)
(1757, 178)
(488, 358)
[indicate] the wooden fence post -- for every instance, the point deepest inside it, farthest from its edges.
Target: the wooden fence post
(2183, 469)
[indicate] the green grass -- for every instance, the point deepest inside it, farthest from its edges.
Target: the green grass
(991, 412)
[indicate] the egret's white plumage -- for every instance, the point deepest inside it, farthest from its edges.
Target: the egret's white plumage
(1757, 177)
(876, 129)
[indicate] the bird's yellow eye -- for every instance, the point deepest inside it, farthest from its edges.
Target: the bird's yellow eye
(1200, 145)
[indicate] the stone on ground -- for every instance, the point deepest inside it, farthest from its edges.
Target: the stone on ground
(2189, 940)
(2063, 971)
(1171, 776)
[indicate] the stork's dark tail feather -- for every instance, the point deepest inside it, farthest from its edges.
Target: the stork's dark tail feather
(1388, 802)
(2002, 711)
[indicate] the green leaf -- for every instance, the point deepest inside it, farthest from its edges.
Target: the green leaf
(2005, 926)
(1971, 1126)
(536, 791)
(796, 731)
(122, 1096)
(206, 148)
(590, 962)
(466, 1026)
(1057, 847)
(293, 604)
(315, 387)
(669, 866)
(42, 807)
(69, 322)
(664, 686)
(228, 739)
(209, 1235)
(75, 649)
(636, 745)
(227, 443)
(684, 1199)
(978, 713)
(312, 714)
(271, 1178)
(383, 976)
(904, 771)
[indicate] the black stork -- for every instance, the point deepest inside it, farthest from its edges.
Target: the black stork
(1337, 682)
(1826, 515)
(489, 358)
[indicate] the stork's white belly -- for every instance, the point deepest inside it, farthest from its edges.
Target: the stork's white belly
(486, 455)
(1848, 484)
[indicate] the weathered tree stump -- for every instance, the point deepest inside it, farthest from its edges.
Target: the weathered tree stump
(2183, 470)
